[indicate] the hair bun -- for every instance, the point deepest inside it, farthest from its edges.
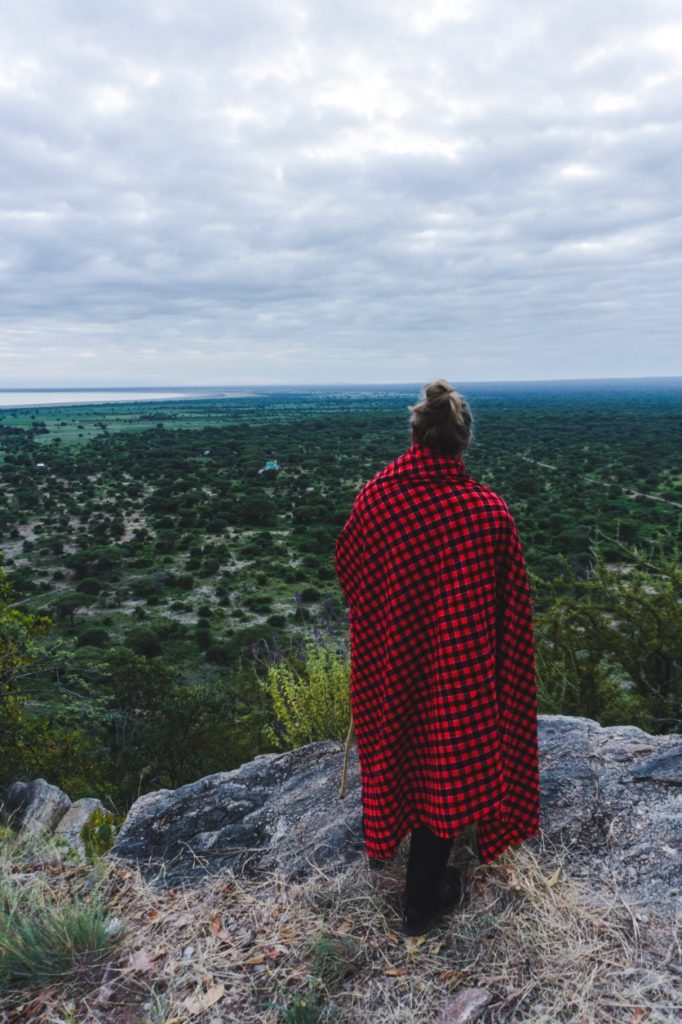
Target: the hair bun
(442, 419)
(438, 393)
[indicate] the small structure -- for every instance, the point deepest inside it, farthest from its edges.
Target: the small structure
(207, 452)
(270, 464)
(41, 465)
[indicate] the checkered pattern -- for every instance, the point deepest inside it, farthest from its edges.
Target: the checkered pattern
(442, 657)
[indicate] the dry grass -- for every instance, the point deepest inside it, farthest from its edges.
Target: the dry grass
(549, 949)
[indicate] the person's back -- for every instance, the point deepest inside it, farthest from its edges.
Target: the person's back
(442, 651)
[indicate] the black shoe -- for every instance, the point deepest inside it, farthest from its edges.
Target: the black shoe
(419, 918)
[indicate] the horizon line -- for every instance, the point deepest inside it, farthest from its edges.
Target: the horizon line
(328, 384)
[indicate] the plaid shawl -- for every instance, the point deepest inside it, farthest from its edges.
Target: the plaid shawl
(442, 657)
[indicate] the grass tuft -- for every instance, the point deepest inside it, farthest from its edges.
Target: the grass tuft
(48, 932)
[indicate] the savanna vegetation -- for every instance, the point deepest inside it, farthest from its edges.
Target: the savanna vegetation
(168, 604)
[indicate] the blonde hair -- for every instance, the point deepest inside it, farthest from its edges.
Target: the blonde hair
(442, 419)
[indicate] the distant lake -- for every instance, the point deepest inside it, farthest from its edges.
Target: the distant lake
(24, 399)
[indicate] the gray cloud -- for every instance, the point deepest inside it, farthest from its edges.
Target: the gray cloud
(332, 191)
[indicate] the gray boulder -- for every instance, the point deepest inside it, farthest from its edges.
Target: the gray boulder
(279, 810)
(610, 795)
(72, 823)
(35, 806)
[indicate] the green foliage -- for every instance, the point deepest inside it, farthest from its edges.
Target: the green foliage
(143, 640)
(23, 657)
(609, 646)
(93, 636)
(99, 833)
(310, 698)
(333, 957)
(305, 1008)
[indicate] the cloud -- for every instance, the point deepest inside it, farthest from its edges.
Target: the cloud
(333, 191)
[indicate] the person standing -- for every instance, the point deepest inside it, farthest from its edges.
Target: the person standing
(443, 691)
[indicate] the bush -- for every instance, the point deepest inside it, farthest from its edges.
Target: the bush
(258, 603)
(89, 586)
(144, 641)
(99, 833)
(220, 653)
(144, 587)
(94, 637)
(203, 638)
(609, 640)
(310, 701)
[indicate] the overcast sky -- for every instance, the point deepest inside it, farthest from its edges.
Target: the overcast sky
(216, 192)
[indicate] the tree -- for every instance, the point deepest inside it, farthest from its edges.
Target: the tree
(22, 659)
(610, 644)
(67, 604)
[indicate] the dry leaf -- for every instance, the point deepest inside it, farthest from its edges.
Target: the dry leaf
(153, 915)
(392, 937)
(216, 928)
(258, 959)
(141, 961)
(180, 920)
(395, 972)
(449, 975)
(195, 1004)
(274, 952)
(344, 927)
(551, 882)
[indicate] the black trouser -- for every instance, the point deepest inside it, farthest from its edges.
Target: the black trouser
(425, 865)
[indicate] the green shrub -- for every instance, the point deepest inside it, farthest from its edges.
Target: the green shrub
(258, 603)
(99, 833)
(220, 653)
(93, 637)
(143, 640)
(203, 638)
(89, 585)
(310, 700)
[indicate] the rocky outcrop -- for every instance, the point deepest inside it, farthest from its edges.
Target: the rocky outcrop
(611, 804)
(38, 808)
(610, 796)
(279, 810)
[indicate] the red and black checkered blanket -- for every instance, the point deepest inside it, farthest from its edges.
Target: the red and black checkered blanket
(442, 657)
